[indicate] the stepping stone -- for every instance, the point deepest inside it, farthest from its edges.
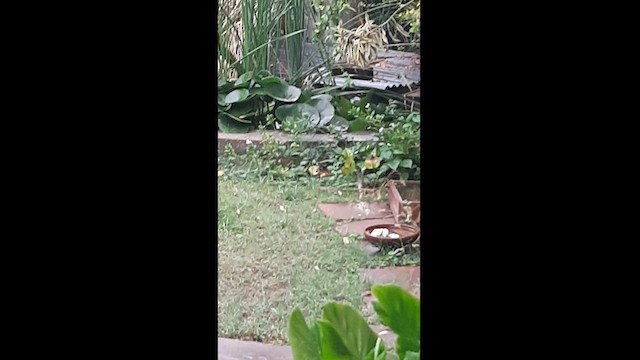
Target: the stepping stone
(231, 349)
(360, 210)
(407, 277)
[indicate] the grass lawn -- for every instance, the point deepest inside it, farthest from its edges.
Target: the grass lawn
(276, 251)
(279, 252)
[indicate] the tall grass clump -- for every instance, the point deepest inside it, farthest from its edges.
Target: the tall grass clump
(249, 35)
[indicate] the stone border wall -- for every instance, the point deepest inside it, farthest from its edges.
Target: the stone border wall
(240, 141)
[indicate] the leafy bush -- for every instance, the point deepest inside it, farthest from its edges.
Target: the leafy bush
(317, 111)
(244, 103)
(400, 19)
(400, 148)
(343, 333)
(395, 155)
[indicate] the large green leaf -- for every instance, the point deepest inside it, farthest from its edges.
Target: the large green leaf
(269, 80)
(221, 101)
(331, 343)
(406, 344)
(394, 163)
(257, 90)
(236, 96)
(410, 355)
(229, 125)
(243, 108)
(351, 327)
(325, 97)
(339, 121)
(224, 86)
(244, 79)
(322, 103)
(397, 309)
(406, 163)
(358, 125)
(400, 311)
(315, 331)
(305, 96)
(295, 112)
(282, 92)
(343, 107)
(304, 343)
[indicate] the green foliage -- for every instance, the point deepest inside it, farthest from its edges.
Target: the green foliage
(411, 16)
(400, 311)
(242, 105)
(305, 342)
(343, 333)
(397, 152)
(400, 148)
(316, 112)
(294, 21)
(249, 34)
(252, 97)
(401, 20)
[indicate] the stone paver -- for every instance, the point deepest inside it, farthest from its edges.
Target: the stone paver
(231, 349)
(407, 277)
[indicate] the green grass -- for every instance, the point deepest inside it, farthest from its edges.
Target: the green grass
(278, 251)
(270, 261)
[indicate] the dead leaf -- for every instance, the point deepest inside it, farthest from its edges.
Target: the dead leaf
(373, 162)
(220, 173)
(345, 240)
(314, 170)
(349, 164)
(282, 208)
(325, 173)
